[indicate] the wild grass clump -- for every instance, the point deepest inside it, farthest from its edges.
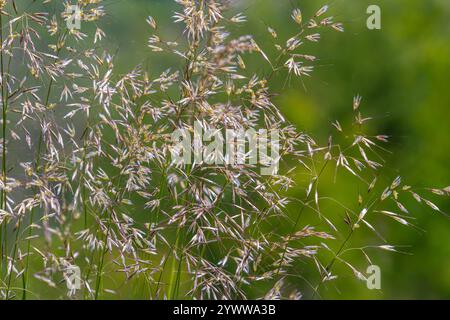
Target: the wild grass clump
(88, 179)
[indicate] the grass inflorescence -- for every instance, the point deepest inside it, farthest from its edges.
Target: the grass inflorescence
(97, 187)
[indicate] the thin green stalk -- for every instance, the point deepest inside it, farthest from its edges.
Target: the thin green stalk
(180, 263)
(298, 219)
(103, 253)
(27, 261)
(330, 265)
(162, 187)
(13, 258)
(160, 274)
(2, 192)
(102, 261)
(173, 268)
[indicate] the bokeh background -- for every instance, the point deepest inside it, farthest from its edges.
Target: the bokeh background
(403, 74)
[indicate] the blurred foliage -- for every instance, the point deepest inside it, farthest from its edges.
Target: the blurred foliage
(402, 72)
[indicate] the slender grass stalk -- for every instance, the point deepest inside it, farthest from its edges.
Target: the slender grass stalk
(177, 283)
(297, 220)
(27, 260)
(171, 284)
(3, 225)
(158, 283)
(13, 258)
(3, 197)
(330, 265)
(102, 261)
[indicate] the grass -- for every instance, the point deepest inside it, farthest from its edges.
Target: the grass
(100, 188)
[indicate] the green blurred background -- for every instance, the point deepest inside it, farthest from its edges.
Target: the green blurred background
(403, 73)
